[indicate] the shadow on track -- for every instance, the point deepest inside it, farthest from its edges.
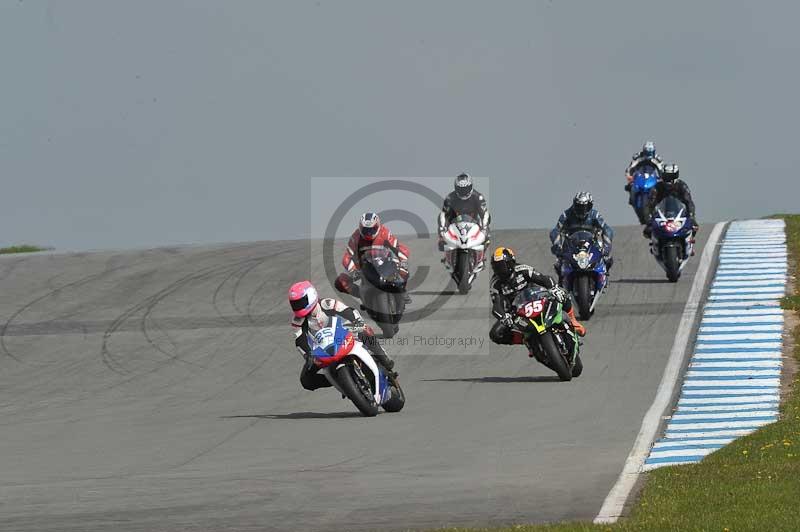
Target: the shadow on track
(434, 293)
(633, 280)
(539, 378)
(298, 415)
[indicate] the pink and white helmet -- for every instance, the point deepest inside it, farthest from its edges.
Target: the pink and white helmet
(303, 298)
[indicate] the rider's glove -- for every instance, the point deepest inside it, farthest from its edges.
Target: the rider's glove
(507, 320)
(560, 294)
(441, 244)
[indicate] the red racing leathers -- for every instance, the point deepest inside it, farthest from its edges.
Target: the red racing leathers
(358, 245)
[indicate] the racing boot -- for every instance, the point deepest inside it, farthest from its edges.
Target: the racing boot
(580, 329)
(380, 356)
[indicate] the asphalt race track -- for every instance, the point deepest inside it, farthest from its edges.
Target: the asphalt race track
(158, 390)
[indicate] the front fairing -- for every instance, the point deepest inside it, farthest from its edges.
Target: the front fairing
(670, 219)
(536, 311)
(382, 270)
(464, 233)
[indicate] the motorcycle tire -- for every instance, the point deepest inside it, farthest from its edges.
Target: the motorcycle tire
(577, 367)
(556, 361)
(583, 296)
(463, 273)
(671, 263)
(398, 399)
(348, 379)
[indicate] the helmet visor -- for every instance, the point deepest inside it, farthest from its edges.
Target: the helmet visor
(582, 209)
(502, 268)
(370, 232)
(299, 304)
(463, 191)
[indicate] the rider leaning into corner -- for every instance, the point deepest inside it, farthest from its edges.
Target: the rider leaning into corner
(646, 156)
(464, 199)
(370, 234)
(312, 314)
(581, 216)
(508, 280)
(672, 185)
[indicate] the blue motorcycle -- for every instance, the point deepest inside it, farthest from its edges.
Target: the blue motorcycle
(583, 271)
(671, 241)
(644, 179)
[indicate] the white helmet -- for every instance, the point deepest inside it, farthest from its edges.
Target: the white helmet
(463, 186)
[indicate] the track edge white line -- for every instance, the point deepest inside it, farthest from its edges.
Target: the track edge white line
(614, 503)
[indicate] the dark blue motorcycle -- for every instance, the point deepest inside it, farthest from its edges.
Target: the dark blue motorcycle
(644, 179)
(583, 271)
(671, 241)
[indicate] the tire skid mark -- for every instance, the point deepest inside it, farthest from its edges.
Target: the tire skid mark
(107, 358)
(150, 302)
(217, 445)
(206, 363)
(75, 284)
(144, 329)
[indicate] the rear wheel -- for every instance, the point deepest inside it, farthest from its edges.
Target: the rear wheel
(583, 296)
(556, 361)
(462, 269)
(398, 399)
(671, 263)
(355, 386)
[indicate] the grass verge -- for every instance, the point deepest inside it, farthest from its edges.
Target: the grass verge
(752, 484)
(20, 249)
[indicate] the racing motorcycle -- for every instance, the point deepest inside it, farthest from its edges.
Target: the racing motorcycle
(350, 368)
(548, 335)
(644, 179)
(583, 271)
(671, 241)
(464, 248)
(383, 289)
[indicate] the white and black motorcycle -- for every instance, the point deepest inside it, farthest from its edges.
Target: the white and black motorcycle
(464, 250)
(350, 368)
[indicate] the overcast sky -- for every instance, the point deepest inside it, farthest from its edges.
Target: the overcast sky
(138, 123)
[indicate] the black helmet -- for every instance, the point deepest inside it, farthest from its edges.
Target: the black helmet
(671, 172)
(463, 186)
(503, 262)
(648, 149)
(582, 204)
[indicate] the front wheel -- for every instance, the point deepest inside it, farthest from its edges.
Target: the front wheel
(355, 386)
(671, 263)
(583, 296)
(556, 360)
(577, 368)
(463, 273)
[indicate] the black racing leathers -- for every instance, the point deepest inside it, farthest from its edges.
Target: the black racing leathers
(503, 291)
(474, 205)
(677, 188)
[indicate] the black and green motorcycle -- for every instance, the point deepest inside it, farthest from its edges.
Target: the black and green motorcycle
(548, 334)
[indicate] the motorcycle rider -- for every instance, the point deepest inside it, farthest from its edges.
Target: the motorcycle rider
(508, 280)
(312, 314)
(646, 156)
(581, 216)
(464, 199)
(672, 185)
(370, 234)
